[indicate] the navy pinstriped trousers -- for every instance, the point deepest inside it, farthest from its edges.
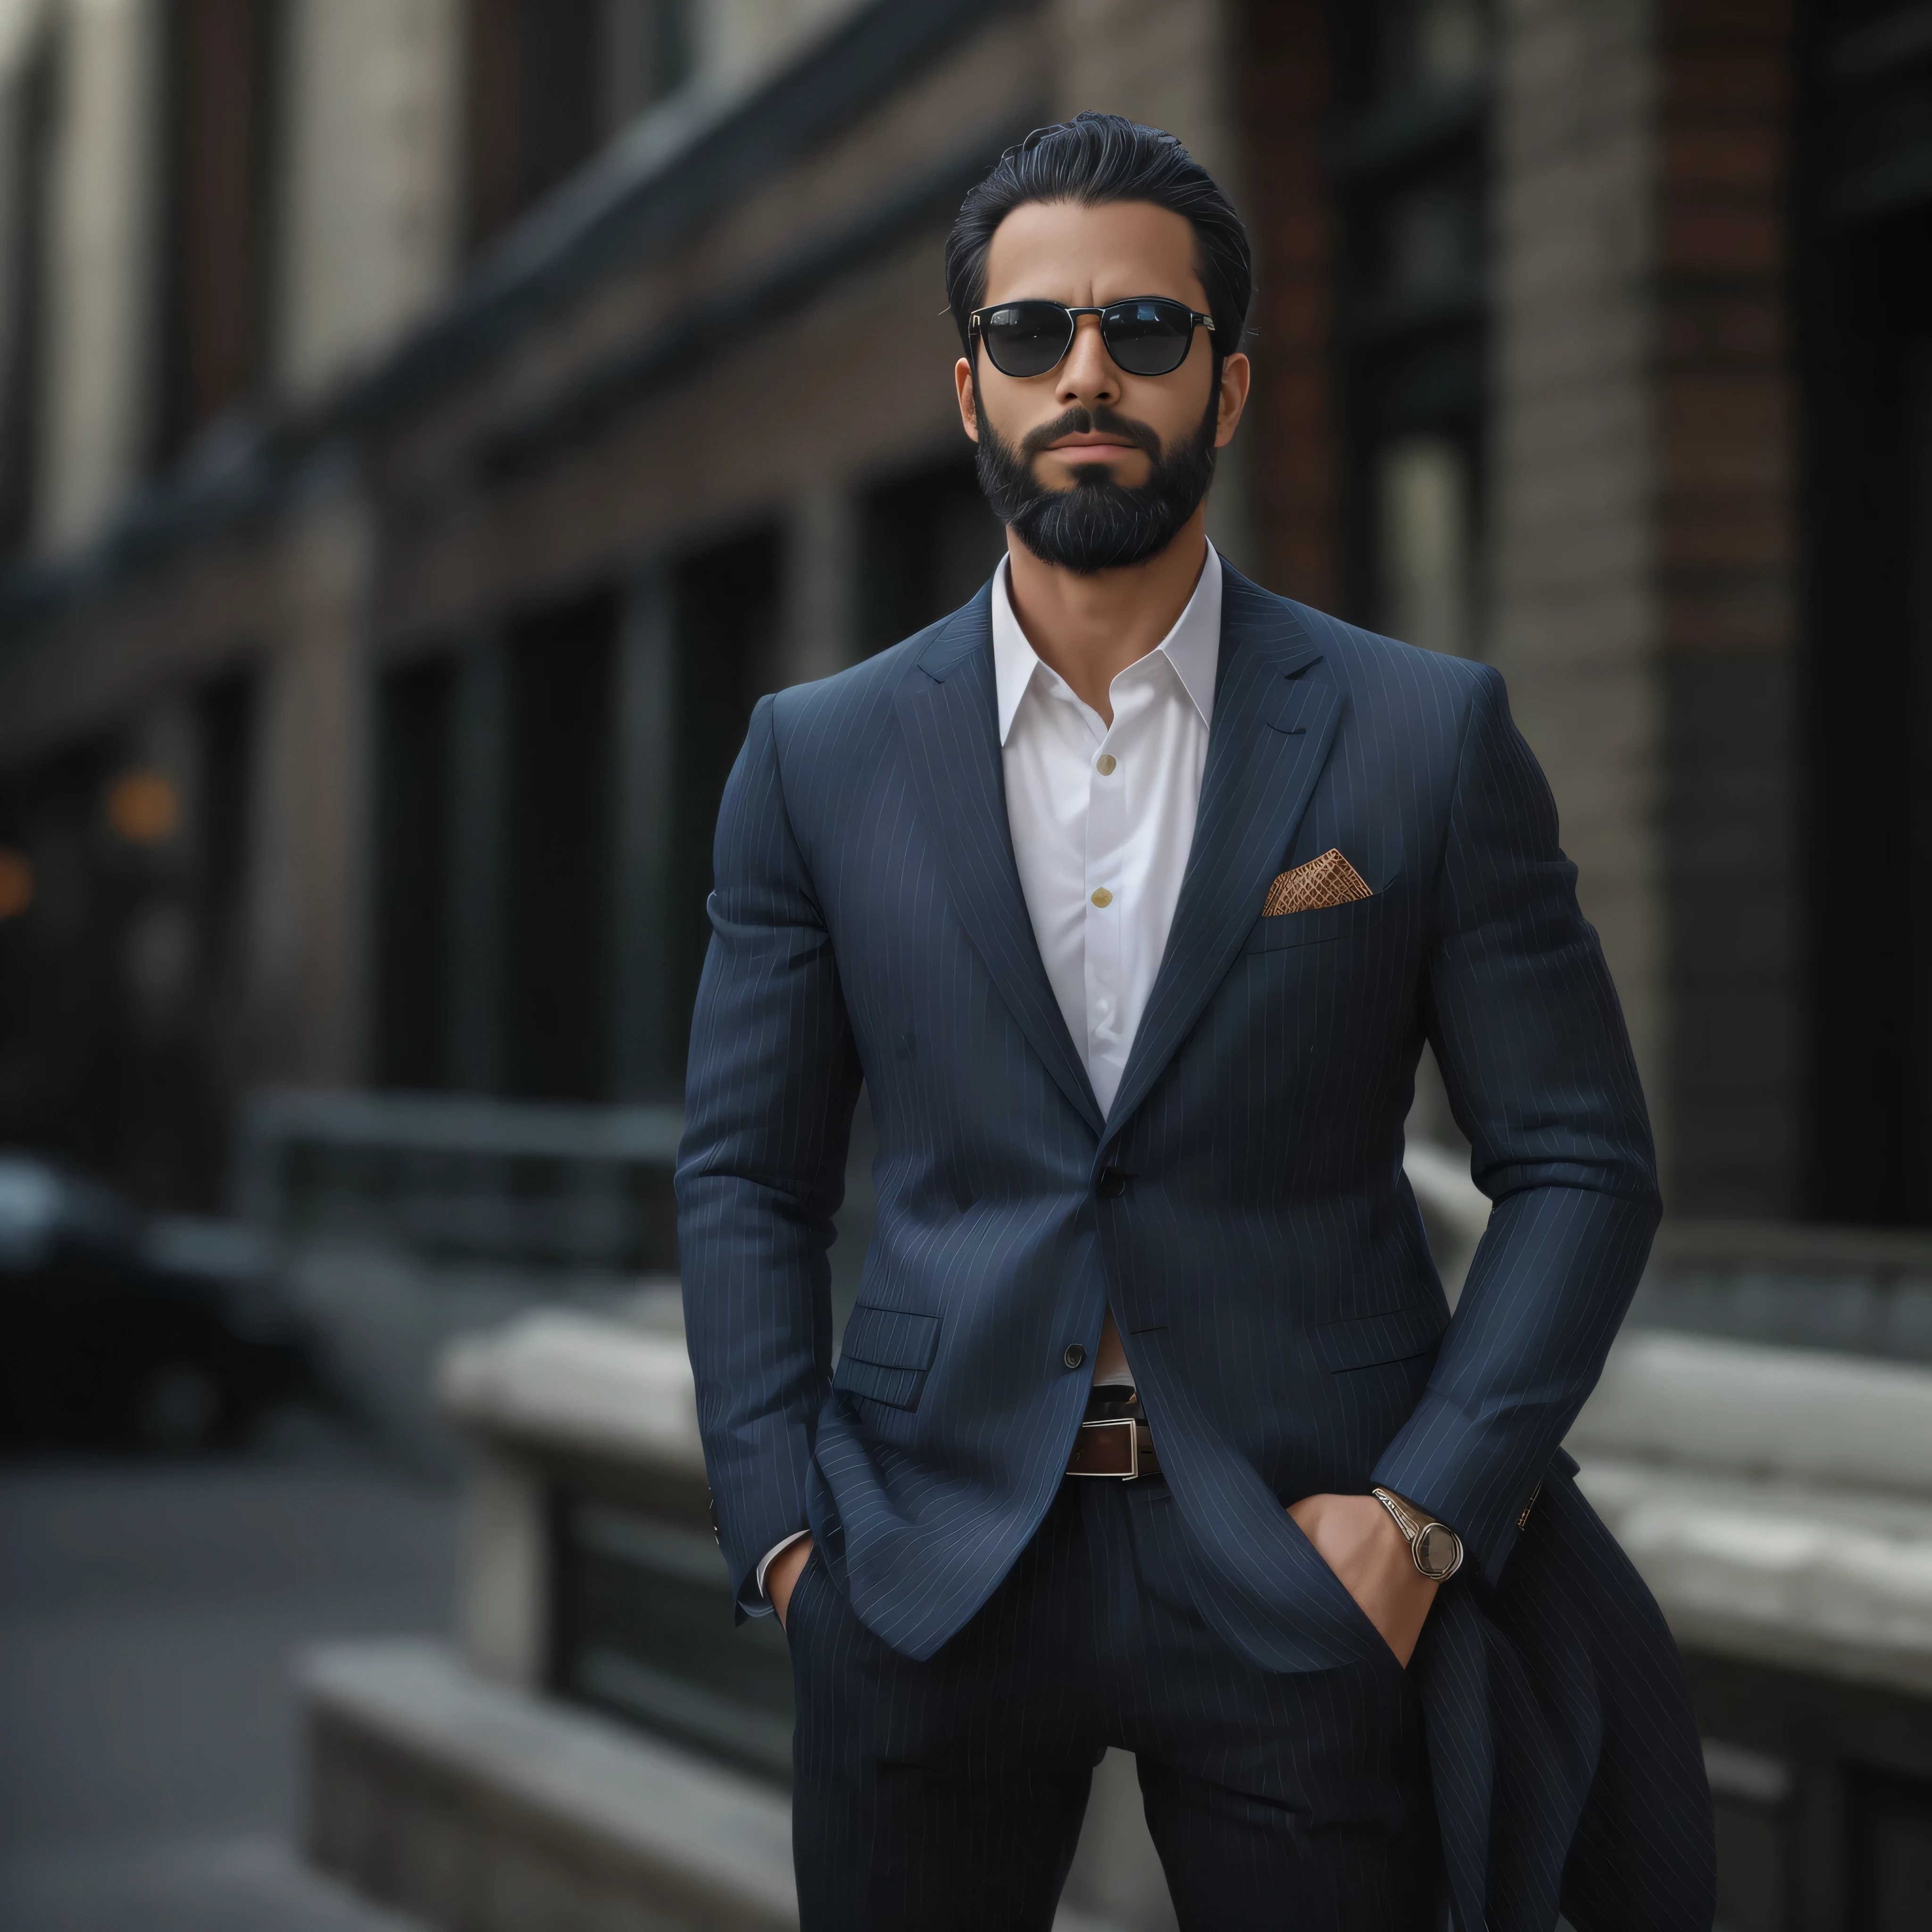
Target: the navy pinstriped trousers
(950, 1793)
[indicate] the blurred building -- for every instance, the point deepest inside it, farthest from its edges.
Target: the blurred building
(427, 425)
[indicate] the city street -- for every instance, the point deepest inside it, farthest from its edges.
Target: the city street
(150, 1766)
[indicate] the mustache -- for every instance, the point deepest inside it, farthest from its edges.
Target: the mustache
(1080, 421)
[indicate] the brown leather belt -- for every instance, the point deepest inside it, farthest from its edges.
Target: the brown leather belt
(1120, 1446)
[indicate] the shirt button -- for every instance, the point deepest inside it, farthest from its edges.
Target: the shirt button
(1102, 897)
(1074, 1355)
(1104, 764)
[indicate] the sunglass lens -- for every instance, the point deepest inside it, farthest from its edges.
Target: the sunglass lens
(1025, 338)
(1147, 338)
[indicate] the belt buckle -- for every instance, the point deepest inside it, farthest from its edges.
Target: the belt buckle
(1131, 1425)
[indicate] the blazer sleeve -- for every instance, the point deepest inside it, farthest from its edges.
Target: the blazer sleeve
(772, 1081)
(1518, 1005)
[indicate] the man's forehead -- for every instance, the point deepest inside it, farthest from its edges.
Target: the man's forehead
(1067, 251)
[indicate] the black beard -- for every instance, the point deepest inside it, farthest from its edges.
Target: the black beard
(1099, 524)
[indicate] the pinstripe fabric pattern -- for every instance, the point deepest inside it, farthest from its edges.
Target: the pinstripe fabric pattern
(947, 1792)
(1265, 1262)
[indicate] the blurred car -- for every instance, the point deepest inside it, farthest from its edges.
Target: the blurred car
(119, 1328)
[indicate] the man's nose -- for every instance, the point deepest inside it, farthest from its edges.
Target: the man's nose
(1089, 374)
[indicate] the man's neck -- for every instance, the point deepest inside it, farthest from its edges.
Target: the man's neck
(1090, 628)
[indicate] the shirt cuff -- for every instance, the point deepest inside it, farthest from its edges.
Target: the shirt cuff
(766, 1563)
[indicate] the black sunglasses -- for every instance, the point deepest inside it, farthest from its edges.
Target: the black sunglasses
(1147, 335)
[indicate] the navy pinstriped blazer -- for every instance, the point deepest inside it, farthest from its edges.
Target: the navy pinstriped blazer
(1255, 1238)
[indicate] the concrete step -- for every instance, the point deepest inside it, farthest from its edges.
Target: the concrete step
(480, 1807)
(474, 1805)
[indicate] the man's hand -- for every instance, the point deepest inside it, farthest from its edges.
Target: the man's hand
(783, 1574)
(1357, 1539)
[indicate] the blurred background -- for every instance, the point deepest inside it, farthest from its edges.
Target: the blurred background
(426, 426)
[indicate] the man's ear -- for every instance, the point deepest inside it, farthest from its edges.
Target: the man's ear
(969, 409)
(1235, 372)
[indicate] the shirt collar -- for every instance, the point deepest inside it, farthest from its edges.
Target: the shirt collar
(1193, 646)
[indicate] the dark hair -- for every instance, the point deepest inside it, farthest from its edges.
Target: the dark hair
(1093, 159)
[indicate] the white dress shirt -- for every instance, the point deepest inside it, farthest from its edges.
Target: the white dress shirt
(1103, 819)
(1103, 815)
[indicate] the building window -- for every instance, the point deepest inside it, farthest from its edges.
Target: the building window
(549, 81)
(27, 118)
(415, 779)
(219, 74)
(1425, 543)
(726, 615)
(1411, 161)
(646, 55)
(1867, 715)
(123, 973)
(560, 903)
(927, 541)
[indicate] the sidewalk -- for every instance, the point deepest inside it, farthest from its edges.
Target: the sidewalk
(149, 1613)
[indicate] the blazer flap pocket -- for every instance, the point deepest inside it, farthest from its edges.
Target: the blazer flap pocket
(890, 1338)
(885, 1353)
(1394, 1336)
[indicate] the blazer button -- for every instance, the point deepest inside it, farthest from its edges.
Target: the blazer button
(1113, 1184)
(1074, 1355)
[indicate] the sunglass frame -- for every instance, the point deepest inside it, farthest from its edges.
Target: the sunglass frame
(977, 332)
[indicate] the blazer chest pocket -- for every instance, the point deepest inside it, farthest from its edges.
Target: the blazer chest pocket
(1366, 1342)
(885, 1353)
(1318, 924)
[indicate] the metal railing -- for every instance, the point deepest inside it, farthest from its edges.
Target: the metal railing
(453, 1179)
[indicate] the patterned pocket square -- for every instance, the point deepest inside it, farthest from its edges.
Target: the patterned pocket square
(1329, 880)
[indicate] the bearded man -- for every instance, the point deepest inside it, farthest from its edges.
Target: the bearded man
(1131, 892)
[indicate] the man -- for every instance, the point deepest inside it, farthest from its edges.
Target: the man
(1131, 892)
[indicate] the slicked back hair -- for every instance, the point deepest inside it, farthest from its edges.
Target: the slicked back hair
(1092, 160)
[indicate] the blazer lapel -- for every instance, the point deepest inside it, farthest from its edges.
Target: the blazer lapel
(1270, 738)
(948, 712)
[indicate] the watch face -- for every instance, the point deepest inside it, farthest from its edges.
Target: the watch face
(1439, 1551)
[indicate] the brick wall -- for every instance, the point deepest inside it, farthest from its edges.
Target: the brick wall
(1725, 408)
(1575, 622)
(1643, 450)
(1292, 431)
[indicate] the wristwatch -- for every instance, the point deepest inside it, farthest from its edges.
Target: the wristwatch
(1436, 1548)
